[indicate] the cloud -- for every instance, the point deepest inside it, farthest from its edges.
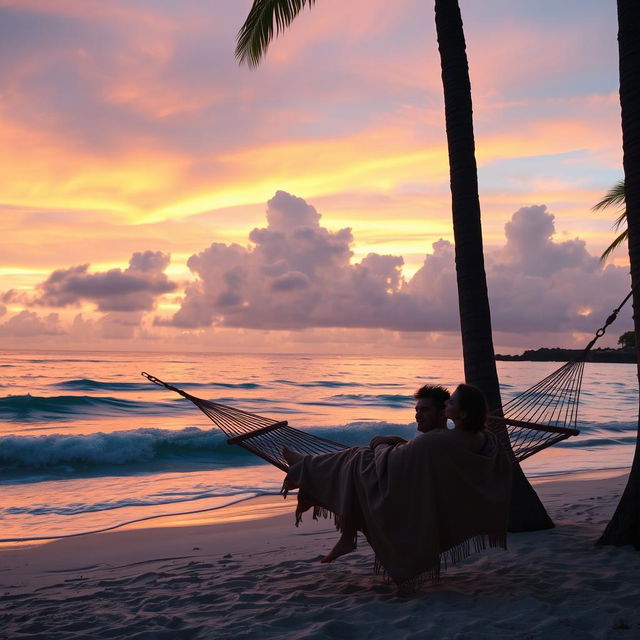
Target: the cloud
(142, 110)
(298, 274)
(14, 296)
(539, 284)
(135, 288)
(531, 250)
(28, 324)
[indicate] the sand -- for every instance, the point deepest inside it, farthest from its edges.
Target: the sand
(247, 572)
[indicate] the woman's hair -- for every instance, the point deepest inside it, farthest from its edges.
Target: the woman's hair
(472, 401)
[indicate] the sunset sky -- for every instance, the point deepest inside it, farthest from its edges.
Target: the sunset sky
(155, 195)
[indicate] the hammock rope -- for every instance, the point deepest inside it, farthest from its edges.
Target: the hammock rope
(262, 436)
(535, 419)
(547, 412)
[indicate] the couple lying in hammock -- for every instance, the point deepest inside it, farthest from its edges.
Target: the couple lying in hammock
(416, 501)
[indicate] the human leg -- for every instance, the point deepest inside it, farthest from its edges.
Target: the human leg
(346, 543)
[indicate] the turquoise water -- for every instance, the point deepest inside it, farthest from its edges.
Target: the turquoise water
(86, 443)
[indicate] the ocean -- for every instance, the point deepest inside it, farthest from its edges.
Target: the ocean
(87, 444)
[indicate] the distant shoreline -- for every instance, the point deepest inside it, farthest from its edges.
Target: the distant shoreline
(556, 354)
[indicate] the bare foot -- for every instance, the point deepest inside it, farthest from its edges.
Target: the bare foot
(343, 546)
(291, 456)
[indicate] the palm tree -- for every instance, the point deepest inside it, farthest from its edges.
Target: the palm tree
(614, 198)
(624, 527)
(270, 17)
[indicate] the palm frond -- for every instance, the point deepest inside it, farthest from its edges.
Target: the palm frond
(621, 219)
(265, 17)
(613, 197)
(614, 245)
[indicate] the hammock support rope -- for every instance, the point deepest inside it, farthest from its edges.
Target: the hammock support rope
(547, 412)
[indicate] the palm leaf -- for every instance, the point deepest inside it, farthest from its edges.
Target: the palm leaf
(614, 245)
(621, 219)
(614, 197)
(265, 17)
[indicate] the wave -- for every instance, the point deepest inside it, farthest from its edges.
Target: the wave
(64, 452)
(590, 443)
(337, 384)
(355, 434)
(318, 383)
(86, 384)
(137, 449)
(144, 449)
(28, 408)
(365, 399)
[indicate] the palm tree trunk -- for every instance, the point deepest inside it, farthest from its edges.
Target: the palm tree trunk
(527, 512)
(624, 527)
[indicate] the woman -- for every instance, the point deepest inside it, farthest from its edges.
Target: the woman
(414, 502)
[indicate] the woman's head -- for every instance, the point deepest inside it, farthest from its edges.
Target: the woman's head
(468, 409)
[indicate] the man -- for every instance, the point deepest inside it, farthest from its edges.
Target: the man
(430, 405)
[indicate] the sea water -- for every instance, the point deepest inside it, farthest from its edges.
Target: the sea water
(87, 444)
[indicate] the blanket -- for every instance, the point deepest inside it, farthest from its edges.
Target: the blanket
(420, 504)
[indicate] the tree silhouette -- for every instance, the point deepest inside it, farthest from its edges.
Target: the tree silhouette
(267, 19)
(624, 527)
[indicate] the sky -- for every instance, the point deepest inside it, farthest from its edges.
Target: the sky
(156, 195)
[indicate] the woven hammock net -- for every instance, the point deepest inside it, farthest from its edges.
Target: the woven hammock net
(552, 403)
(260, 435)
(547, 412)
(544, 414)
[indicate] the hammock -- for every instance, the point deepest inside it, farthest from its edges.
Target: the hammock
(537, 418)
(265, 437)
(547, 412)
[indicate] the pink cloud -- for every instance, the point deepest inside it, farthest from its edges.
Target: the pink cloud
(298, 274)
(135, 288)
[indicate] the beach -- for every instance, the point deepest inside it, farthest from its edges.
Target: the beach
(246, 572)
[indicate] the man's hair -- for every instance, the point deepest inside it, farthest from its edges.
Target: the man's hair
(437, 394)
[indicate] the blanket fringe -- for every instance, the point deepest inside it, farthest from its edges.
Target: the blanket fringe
(318, 512)
(448, 557)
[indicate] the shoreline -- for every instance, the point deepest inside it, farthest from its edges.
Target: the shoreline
(249, 572)
(257, 511)
(258, 507)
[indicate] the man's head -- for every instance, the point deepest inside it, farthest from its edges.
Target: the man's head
(430, 401)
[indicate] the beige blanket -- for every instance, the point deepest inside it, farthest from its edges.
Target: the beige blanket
(419, 504)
